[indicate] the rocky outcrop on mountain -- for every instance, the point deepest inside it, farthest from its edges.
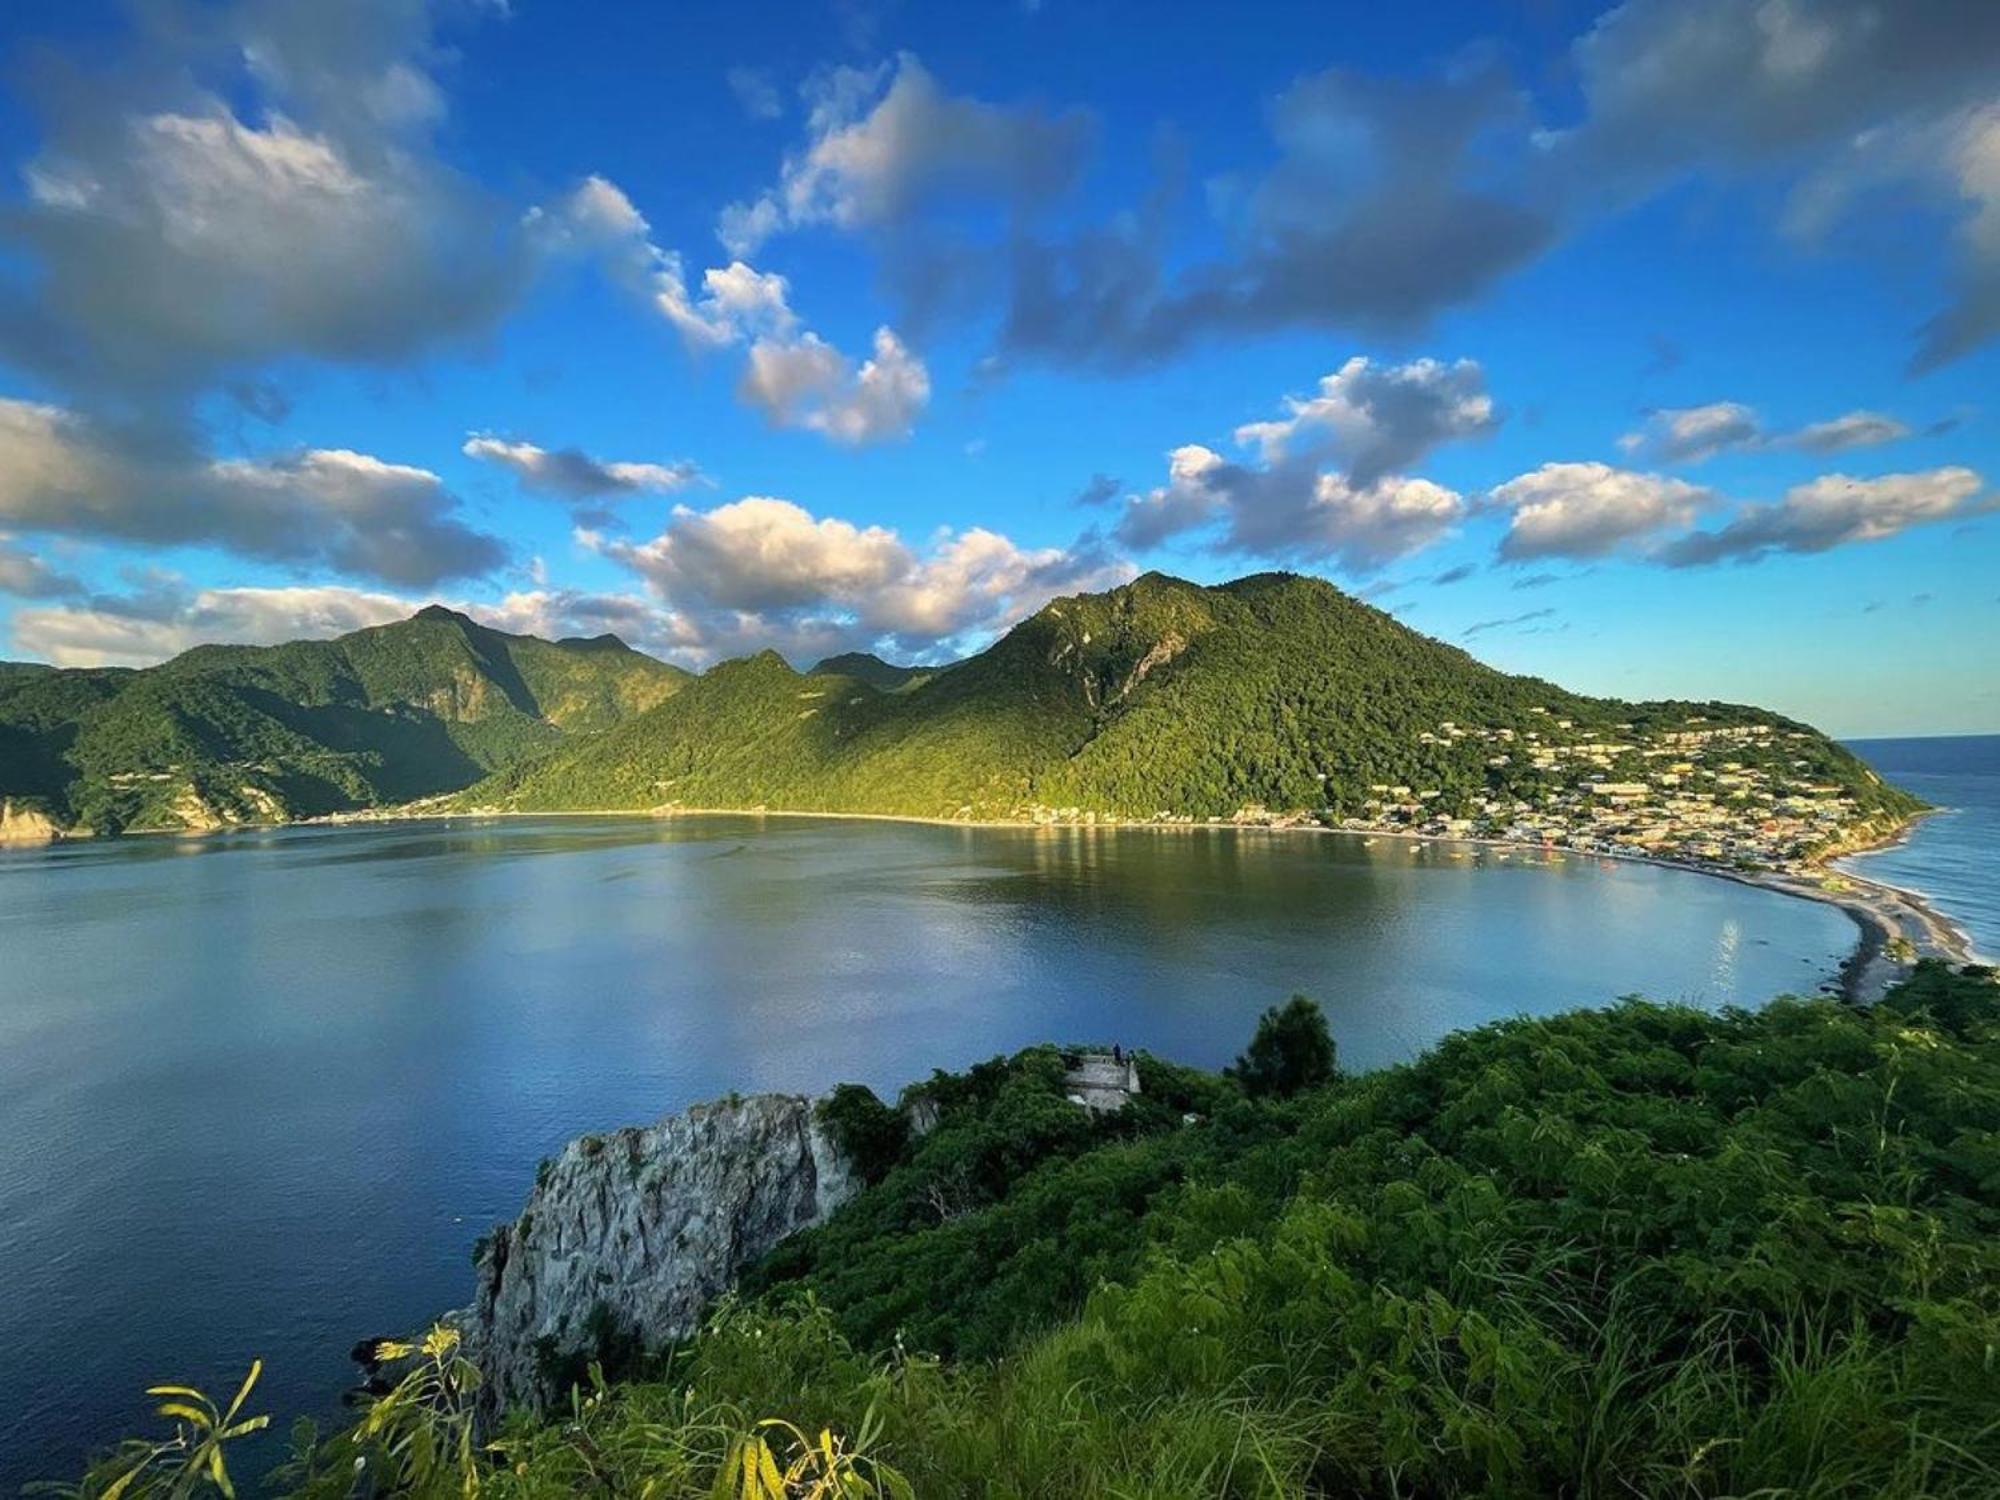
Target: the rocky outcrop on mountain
(21, 824)
(631, 1235)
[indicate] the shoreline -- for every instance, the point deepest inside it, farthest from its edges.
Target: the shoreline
(1882, 913)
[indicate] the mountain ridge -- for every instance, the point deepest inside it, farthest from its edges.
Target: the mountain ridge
(1271, 697)
(224, 734)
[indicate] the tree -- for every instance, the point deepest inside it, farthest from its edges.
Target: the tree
(1291, 1051)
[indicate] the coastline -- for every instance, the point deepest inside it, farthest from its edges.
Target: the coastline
(1884, 915)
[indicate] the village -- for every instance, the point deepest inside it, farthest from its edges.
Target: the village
(1707, 793)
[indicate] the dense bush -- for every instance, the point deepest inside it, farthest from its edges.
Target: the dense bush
(1291, 1051)
(868, 1132)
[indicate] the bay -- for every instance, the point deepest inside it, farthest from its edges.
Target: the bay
(259, 1093)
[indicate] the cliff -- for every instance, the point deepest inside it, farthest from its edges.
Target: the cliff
(21, 824)
(634, 1234)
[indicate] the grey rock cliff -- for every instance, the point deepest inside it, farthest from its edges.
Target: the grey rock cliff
(650, 1224)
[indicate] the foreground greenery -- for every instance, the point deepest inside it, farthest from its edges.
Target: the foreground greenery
(1161, 697)
(1644, 1251)
(225, 734)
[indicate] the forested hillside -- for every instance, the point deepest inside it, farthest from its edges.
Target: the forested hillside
(1161, 698)
(225, 734)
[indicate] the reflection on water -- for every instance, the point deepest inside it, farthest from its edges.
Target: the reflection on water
(259, 1093)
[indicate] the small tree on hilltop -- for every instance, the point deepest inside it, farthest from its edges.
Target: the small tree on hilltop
(1292, 1050)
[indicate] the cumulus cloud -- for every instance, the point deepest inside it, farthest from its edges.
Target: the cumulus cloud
(1590, 509)
(1293, 503)
(791, 374)
(61, 474)
(1833, 510)
(259, 183)
(806, 382)
(762, 571)
(884, 142)
(571, 474)
(1379, 418)
(1690, 434)
(1290, 511)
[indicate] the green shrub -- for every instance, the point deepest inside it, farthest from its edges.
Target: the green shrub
(870, 1135)
(1291, 1051)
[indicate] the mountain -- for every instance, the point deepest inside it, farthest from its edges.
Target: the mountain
(865, 666)
(1273, 693)
(226, 734)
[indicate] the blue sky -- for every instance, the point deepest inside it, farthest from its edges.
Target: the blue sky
(1650, 349)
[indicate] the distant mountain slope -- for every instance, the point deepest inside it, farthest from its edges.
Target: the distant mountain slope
(865, 666)
(226, 734)
(1161, 697)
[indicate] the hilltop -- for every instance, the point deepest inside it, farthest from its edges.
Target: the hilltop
(1273, 697)
(230, 734)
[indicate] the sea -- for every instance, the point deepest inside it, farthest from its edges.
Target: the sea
(1952, 858)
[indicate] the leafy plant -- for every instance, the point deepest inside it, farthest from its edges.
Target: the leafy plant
(189, 1463)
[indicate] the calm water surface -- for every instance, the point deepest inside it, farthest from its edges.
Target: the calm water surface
(258, 1094)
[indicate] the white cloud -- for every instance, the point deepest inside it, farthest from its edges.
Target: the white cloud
(572, 474)
(1289, 511)
(1290, 505)
(795, 377)
(1690, 434)
(1834, 510)
(875, 154)
(329, 507)
(806, 382)
(762, 572)
(1590, 509)
(1380, 418)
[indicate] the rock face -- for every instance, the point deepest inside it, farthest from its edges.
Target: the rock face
(645, 1227)
(1101, 1083)
(25, 825)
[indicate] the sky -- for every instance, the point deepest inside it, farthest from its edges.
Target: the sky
(1653, 349)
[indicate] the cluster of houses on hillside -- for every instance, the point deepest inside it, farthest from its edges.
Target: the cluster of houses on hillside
(1711, 793)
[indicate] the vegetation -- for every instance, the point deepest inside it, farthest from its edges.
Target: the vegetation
(1647, 1250)
(1161, 697)
(1291, 1051)
(225, 734)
